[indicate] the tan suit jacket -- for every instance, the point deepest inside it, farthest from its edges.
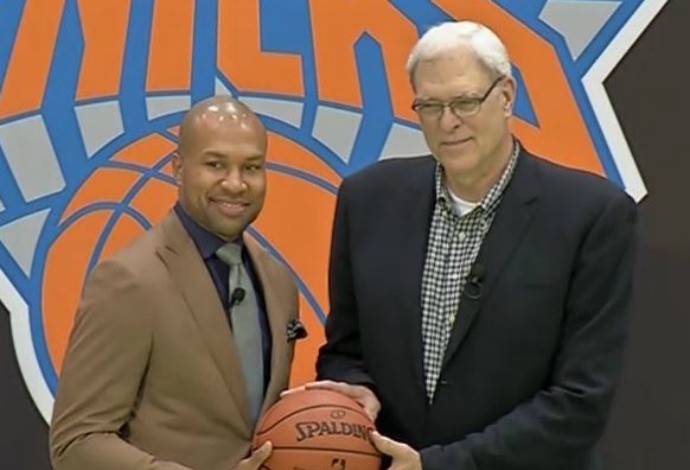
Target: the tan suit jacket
(151, 378)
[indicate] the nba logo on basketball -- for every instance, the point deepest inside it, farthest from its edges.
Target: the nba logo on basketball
(93, 94)
(338, 464)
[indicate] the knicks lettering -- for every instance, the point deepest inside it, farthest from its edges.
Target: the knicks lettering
(337, 27)
(311, 429)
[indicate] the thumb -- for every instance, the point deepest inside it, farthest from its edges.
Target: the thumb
(261, 454)
(371, 408)
(384, 444)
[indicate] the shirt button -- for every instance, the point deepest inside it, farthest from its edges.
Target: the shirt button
(462, 236)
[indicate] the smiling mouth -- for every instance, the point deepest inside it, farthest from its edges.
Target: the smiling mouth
(231, 208)
(451, 143)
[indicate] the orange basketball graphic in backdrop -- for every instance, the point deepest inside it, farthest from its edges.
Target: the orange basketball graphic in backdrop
(113, 206)
(92, 94)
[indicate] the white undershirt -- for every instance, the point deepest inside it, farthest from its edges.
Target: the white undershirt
(461, 206)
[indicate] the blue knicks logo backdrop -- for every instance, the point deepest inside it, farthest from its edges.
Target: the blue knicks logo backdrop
(93, 92)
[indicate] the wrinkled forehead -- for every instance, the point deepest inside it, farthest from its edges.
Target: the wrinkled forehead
(449, 77)
(450, 65)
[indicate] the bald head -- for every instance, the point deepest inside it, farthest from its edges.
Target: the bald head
(213, 114)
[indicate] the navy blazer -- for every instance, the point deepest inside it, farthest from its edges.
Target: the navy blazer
(532, 363)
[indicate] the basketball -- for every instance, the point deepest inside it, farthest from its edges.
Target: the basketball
(317, 430)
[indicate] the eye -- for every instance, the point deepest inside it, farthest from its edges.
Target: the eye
(214, 164)
(254, 166)
(427, 108)
(465, 104)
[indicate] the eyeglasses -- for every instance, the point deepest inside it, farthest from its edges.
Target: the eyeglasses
(460, 107)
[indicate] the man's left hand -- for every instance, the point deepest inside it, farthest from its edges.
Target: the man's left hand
(359, 393)
(404, 456)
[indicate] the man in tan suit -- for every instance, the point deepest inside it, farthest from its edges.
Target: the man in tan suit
(153, 377)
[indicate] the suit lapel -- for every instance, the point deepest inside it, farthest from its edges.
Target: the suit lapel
(419, 202)
(194, 281)
(510, 223)
(276, 312)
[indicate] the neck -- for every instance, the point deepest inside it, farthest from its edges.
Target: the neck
(473, 187)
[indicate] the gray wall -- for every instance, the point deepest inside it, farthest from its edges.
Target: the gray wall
(650, 425)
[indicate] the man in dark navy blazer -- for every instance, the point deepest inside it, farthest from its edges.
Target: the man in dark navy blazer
(479, 296)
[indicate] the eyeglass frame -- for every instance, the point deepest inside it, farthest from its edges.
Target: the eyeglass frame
(478, 101)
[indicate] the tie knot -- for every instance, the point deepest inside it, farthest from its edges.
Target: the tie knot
(230, 253)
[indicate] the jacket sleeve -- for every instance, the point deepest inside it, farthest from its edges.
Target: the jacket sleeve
(555, 427)
(104, 367)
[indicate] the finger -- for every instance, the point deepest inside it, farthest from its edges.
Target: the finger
(372, 412)
(385, 445)
(353, 391)
(360, 393)
(260, 455)
(290, 391)
(369, 403)
(322, 384)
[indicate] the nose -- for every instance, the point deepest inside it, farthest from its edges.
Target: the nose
(234, 181)
(448, 119)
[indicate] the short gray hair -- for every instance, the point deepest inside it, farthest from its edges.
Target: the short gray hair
(483, 42)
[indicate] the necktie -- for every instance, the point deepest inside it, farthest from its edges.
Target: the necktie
(246, 329)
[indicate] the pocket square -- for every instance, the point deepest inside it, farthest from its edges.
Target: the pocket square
(296, 330)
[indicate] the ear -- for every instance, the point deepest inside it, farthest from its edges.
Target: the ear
(177, 166)
(508, 93)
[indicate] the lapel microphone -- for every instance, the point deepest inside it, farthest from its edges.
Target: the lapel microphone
(475, 282)
(237, 296)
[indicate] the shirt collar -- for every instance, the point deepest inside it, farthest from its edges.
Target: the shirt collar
(206, 242)
(490, 201)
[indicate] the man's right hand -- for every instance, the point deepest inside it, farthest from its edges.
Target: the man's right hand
(258, 457)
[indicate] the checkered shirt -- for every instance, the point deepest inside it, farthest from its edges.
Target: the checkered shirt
(453, 246)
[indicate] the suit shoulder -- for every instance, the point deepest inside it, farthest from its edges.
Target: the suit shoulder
(139, 252)
(578, 185)
(136, 260)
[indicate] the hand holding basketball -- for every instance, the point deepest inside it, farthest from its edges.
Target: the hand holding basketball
(404, 456)
(317, 429)
(256, 460)
(361, 394)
